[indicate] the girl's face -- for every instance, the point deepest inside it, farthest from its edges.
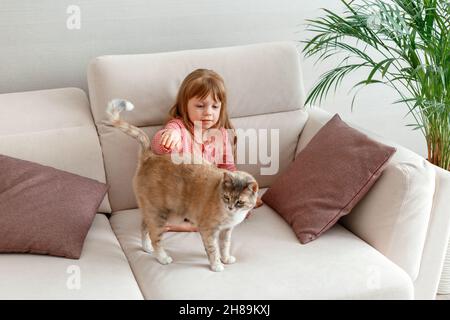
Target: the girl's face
(207, 111)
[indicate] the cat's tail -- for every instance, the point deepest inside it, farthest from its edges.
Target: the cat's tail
(115, 107)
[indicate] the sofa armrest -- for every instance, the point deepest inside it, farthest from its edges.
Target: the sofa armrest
(397, 214)
(437, 240)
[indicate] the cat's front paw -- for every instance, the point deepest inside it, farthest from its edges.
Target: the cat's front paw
(147, 246)
(228, 260)
(217, 267)
(164, 259)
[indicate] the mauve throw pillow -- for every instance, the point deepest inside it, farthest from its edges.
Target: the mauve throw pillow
(327, 179)
(44, 210)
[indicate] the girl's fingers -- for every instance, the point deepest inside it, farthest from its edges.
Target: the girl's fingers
(163, 139)
(176, 142)
(167, 141)
(169, 144)
(165, 136)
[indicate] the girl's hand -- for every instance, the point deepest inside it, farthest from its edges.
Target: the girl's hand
(170, 139)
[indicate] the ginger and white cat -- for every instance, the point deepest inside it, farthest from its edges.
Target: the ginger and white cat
(212, 199)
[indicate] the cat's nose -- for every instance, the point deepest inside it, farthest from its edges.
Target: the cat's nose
(230, 207)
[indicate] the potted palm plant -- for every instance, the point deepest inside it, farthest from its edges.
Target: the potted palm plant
(404, 44)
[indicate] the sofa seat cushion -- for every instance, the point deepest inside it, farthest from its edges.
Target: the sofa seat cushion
(102, 272)
(271, 264)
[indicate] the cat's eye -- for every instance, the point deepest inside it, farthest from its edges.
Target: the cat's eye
(226, 198)
(240, 203)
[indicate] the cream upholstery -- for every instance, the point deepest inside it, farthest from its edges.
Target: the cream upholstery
(103, 270)
(260, 97)
(121, 152)
(53, 128)
(394, 217)
(271, 264)
(260, 79)
(391, 246)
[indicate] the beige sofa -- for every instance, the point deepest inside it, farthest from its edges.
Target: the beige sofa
(391, 246)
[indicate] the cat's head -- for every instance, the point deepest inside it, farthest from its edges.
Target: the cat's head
(239, 191)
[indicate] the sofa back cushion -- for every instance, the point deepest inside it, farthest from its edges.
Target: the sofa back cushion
(54, 128)
(393, 216)
(264, 87)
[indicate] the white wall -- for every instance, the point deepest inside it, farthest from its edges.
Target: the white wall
(38, 51)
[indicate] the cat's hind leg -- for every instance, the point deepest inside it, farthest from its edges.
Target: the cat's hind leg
(146, 242)
(156, 227)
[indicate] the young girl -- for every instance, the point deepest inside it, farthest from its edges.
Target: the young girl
(201, 103)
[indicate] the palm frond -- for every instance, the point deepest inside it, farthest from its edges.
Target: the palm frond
(413, 39)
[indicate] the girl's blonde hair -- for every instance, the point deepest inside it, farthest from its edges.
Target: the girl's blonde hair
(200, 83)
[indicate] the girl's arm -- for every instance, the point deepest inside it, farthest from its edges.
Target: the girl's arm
(156, 145)
(228, 159)
(183, 227)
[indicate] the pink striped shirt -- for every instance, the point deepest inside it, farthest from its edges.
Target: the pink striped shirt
(208, 149)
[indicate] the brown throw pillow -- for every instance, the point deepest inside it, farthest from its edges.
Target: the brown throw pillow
(327, 179)
(44, 210)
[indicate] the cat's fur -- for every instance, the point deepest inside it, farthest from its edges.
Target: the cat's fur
(212, 199)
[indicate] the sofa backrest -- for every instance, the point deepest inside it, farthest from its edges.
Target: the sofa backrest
(53, 128)
(264, 86)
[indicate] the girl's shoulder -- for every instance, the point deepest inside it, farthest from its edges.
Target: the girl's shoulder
(177, 122)
(227, 134)
(222, 129)
(226, 131)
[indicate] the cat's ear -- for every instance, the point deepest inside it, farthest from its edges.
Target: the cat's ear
(253, 186)
(227, 179)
